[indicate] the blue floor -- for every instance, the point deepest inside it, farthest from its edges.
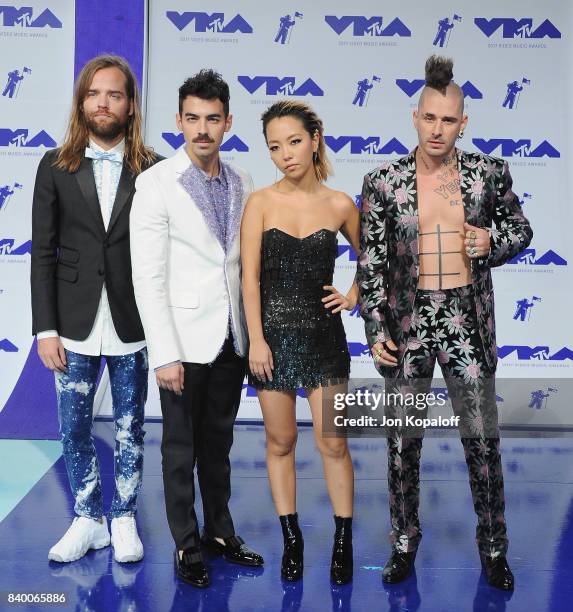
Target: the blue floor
(539, 492)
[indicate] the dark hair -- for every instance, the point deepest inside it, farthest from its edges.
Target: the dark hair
(207, 85)
(439, 72)
(311, 123)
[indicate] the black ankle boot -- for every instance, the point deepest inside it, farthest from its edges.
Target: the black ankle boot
(342, 565)
(497, 572)
(292, 562)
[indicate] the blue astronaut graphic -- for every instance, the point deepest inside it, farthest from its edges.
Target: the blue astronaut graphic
(363, 91)
(523, 311)
(13, 83)
(513, 91)
(539, 398)
(286, 24)
(6, 192)
(445, 26)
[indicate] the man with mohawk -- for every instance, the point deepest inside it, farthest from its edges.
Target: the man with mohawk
(426, 293)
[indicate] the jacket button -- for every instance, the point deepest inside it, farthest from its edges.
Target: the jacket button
(101, 271)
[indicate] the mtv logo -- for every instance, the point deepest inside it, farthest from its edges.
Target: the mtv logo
(7, 247)
(206, 22)
(7, 346)
(527, 256)
(357, 349)
(346, 248)
(367, 26)
(19, 138)
(517, 28)
(538, 353)
(233, 143)
(411, 88)
(372, 145)
(516, 148)
(285, 86)
(23, 17)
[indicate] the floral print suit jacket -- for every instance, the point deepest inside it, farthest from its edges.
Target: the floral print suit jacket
(388, 267)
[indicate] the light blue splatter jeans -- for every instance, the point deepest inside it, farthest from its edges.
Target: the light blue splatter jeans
(76, 390)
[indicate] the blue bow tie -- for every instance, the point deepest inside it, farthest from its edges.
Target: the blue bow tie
(104, 155)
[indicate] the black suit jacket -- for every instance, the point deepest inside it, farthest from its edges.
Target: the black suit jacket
(73, 255)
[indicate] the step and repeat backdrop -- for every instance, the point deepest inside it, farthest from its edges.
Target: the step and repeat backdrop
(36, 82)
(360, 65)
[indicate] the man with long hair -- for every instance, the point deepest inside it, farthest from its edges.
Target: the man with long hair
(188, 290)
(83, 305)
(428, 247)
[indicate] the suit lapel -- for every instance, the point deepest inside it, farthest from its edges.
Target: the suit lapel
(471, 207)
(86, 182)
(124, 190)
(236, 202)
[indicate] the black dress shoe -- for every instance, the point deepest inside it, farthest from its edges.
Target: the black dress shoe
(292, 563)
(190, 567)
(398, 567)
(497, 572)
(234, 550)
(341, 566)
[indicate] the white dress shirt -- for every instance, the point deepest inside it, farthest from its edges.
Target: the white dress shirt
(103, 339)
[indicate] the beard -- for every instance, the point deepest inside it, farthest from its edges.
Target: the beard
(106, 131)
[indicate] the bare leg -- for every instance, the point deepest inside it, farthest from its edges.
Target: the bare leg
(336, 461)
(279, 415)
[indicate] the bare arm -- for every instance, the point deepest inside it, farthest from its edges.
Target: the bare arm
(260, 357)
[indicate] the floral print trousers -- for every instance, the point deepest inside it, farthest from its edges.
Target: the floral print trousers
(444, 327)
(75, 389)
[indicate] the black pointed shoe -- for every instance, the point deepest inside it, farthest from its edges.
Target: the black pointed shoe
(341, 566)
(398, 567)
(190, 567)
(234, 550)
(497, 572)
(292, 563)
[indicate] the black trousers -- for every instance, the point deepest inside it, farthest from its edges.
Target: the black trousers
(198, 429)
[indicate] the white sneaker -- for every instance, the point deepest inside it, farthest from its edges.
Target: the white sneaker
(127, 546)
(83, 534)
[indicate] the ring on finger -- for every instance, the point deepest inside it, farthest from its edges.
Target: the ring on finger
(472, 242)
(472, 251)
(472, 234)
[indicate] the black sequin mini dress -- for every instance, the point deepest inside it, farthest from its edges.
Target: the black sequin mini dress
(307, 341)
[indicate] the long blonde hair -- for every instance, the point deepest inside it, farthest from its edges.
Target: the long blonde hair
(136, 155)
(312, 124)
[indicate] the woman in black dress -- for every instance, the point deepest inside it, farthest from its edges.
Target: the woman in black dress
(288, 252)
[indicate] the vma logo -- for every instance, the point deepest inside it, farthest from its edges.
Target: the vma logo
(23, 17)
(367, 26)
(20, 138)
(527, 256)
(7, 247)
(373, 145)
(515, 148)
(206, 22)
(346, 249)
(534, 353)
(7, 346)
(411, 88)
(233, 143)
(357, 349)
(517, 28)
(280, 86)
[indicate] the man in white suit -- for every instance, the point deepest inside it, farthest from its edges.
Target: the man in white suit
(185, 255)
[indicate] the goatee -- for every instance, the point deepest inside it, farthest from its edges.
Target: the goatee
(109, 131)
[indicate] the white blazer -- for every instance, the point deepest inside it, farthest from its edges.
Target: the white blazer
(182, 278)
